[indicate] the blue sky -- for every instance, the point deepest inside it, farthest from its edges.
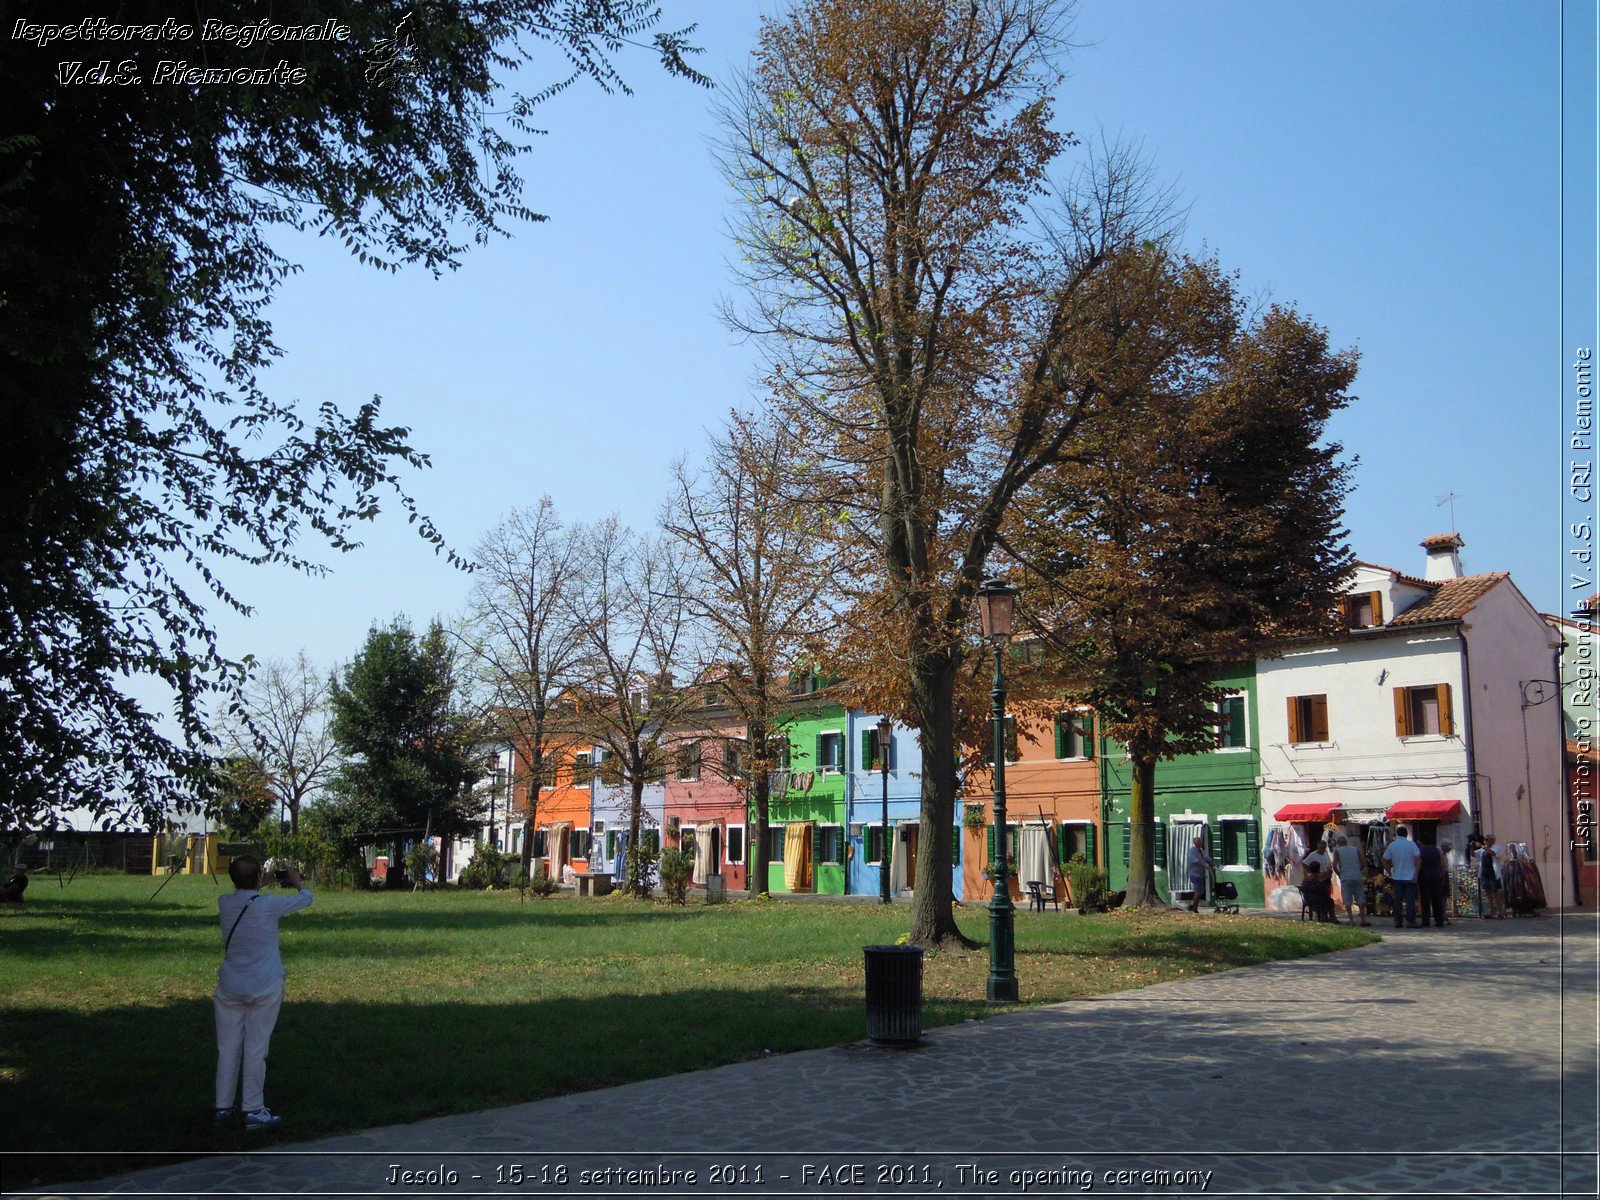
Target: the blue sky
(1391, 169)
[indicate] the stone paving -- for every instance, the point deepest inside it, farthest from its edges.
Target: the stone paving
(1454, 1061)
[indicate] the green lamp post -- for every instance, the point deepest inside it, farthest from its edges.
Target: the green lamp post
(997, 602)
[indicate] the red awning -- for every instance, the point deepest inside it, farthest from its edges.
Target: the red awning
(1424, 810)
(1306, 812)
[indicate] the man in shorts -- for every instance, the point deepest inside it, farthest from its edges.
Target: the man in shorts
(1352, 886)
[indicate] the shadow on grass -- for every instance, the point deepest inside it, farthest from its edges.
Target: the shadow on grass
(140, 1077)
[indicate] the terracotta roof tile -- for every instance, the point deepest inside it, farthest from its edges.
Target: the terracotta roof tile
(1452, 601)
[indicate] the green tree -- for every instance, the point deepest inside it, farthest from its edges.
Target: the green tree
(246, 801)
(140, 247)
(411, 749)
(1196, 528)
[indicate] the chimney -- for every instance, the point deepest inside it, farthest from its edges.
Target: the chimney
(1444, 561)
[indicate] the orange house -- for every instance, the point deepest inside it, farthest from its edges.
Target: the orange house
(561, 822)
(1052, 804)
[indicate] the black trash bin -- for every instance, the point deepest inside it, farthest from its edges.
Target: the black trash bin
(894, 993)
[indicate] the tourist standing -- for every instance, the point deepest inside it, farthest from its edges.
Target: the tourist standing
(1200, 864)
(1431, 879)
(1347, 862)
(1401, 856)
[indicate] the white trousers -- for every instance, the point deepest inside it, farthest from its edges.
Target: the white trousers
(244, 1028)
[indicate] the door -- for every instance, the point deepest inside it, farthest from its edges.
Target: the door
(716, 850)
(911, 855)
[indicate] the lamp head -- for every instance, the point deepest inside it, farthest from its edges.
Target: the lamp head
(885, 736)
(997, 604)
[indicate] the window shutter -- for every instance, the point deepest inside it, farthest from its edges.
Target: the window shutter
(955, 843)
(1127, 842)
(1086, 726)
(1319, 718)
(1161, 843)
(1402, 713)
(869, 743)
(1091, 846)
(1252, 844)
(988, 831)
(1447, 724)
(1377, 607)
(1061, 734)
(1342, 606)
(1236, 722)
(816, 757)
(1214, 834)
(819, 850)
(1294, 720)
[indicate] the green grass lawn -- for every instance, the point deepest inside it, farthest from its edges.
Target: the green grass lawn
(402, 1006)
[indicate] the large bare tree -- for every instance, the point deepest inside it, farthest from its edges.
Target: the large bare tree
(638, 650)
(526, 643)
(937, 343)
(282, 725)
(758, 581)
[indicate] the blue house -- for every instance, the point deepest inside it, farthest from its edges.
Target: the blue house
(865, 792)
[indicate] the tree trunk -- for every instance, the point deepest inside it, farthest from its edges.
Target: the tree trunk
(755, 850)
(1142, 837)
(636, 880)
(529, 824)
(933, 921)
(294, 815)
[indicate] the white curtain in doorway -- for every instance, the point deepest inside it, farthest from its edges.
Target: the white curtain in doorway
(898, 849)
(1033, 857)
(702, 853)
(1181, 834)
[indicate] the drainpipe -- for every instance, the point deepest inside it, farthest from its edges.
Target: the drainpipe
(1466, 714)
(1574, 852)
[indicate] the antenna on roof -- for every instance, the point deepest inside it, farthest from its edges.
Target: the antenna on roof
(1449, 498)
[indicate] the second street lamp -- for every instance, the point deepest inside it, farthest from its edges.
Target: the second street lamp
(997, 601)
(885, 743)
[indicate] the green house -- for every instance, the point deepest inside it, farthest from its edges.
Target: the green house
(1213, 795)
(817, 777)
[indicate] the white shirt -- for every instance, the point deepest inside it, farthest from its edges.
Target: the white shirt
(251, 966)
(1402, 856)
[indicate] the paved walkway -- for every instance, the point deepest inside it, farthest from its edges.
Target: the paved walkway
(1458, 1061)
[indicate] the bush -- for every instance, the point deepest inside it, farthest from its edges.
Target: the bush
(640, 866)
(1087, 884)
(676, 870)
(541, 884)
(422, 861)
(486, 870)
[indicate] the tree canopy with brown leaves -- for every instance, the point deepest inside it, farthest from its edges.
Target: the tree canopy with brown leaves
(936, 349)
(1193, 532)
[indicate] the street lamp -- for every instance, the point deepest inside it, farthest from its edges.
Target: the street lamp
(997, 602)
(885, 741)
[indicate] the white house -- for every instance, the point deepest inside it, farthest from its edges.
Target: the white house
(1426, 709)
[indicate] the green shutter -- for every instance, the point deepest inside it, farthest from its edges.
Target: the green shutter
(1061, 734)
(1161, 844)
(1086, 727)
(1214, 832)
(1127, 842)
(819, 846)
(1063, 849)
(1252, 844)
(989, 842)
(1091, 846)
(1236, 715)
(867, 741)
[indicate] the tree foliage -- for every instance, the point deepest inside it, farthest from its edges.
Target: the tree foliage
(282, 724)
(411, 748)
(139, 252)
(1195, 530)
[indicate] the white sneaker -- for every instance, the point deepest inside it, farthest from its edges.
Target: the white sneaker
(262, 1118)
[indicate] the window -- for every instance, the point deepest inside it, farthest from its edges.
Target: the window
(735, 845)
(685, 839)
(1075, 735)
(582, 768)
(830, 752)
(689, 761)
(780, 754)
(539, 839)
(610, 768)
(832, 843)
(869, 750)
(577, 843)
(1013, 837)
(651, 838)
(733, 758)
(775, 835)
(516, 841)
(1077, 838)
(1240, 842)
(1232, 732)
(1308, 719)
(1361, 610)
(1423, 710)
(872, 845)
(1011, 741)
(611, 844)
(713, 694)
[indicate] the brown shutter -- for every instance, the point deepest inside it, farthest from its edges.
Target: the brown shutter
(1294, 720)
(1319, 718)
(1402, 713)
(1447, 724)
(1377, 607)
(1343, 610)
